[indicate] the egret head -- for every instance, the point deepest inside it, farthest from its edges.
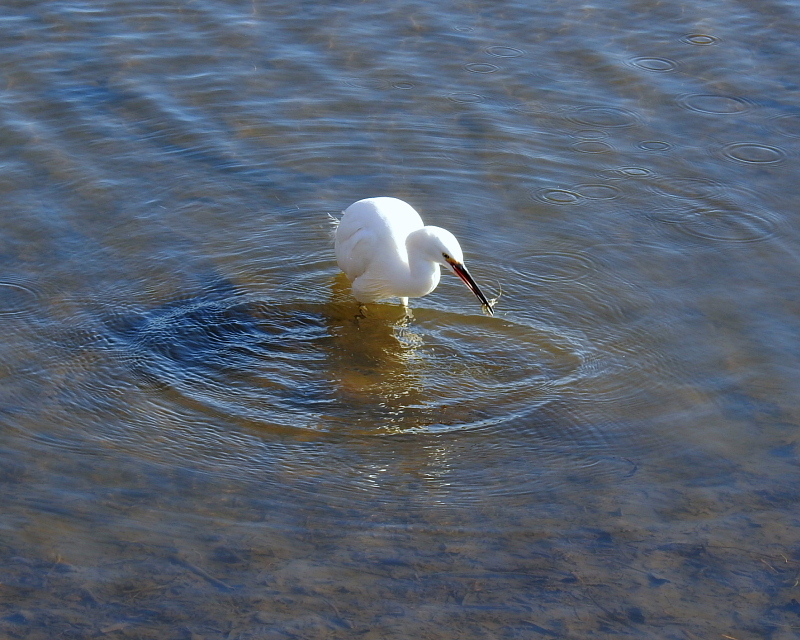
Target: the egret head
(442, 247)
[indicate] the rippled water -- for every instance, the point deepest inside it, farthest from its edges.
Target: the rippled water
(202, 437)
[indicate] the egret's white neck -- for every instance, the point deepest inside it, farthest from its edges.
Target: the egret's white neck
(423, 265)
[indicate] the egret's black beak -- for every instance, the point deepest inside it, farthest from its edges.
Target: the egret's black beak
(461, 271)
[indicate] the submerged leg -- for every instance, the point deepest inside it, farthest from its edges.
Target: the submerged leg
(408, 314)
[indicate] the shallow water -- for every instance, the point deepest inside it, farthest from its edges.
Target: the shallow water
(202, 438)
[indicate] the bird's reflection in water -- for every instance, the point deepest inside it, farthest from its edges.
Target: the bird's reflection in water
(375, 363)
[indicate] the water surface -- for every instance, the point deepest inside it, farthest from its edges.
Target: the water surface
(200, 436)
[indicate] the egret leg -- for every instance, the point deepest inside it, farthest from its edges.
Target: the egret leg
(407, 313)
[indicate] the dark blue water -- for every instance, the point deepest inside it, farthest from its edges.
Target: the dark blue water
(202, 437)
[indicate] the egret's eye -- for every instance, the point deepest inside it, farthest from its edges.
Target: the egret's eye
(445, 256)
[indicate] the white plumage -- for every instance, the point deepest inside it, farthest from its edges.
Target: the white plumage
(386, 251)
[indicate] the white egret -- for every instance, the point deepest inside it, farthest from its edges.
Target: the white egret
(386, 251)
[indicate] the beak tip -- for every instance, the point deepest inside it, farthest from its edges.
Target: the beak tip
(461, 271)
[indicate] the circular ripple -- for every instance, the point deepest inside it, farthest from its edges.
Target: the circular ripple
(557, 196)
(269, 367)
(625, 172)
(692, 188)
(15, 298)
(592, 146)
(403, 85)
(722, 225)
(555, 266)
(788, 125)
(753, 153)
(465, 98)
(481, 67)
(654, 145)
(609, 379)
(659, 65)
(367, 83)
(493, 372)
(598, 191)
(607, 117)
(527, 107)
(590, 134)
(504, 52)
(700, 39)
(248, 361)
(713, 104)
